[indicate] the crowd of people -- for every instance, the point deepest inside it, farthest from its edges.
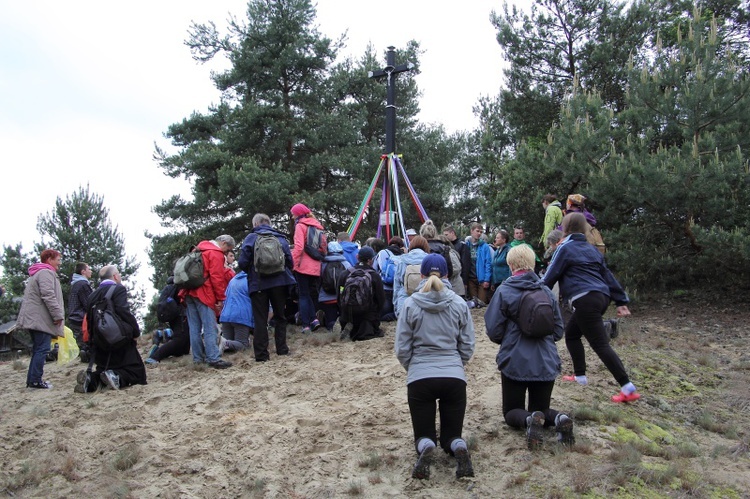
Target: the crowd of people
(427, 281)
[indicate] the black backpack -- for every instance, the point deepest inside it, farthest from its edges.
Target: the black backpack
(168, 306)
(110, 331)
(536, 314)
(314, 243)
(357, 292)
(330, 278)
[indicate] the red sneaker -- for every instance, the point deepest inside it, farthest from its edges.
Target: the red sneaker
(622, 397)
(569, 378)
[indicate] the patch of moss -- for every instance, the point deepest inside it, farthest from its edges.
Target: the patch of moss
(644, 445)
(724, 493)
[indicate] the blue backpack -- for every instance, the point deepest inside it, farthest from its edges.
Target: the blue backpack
(388, 269)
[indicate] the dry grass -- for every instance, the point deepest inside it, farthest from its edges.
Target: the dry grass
(126, 457)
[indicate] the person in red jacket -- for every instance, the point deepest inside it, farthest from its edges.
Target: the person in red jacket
(204, 304)
(306, 268)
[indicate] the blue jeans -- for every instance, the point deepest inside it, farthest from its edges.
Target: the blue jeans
(308, 297)
(201, 318)
(40, 346)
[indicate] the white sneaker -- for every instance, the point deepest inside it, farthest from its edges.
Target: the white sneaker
(222, 344)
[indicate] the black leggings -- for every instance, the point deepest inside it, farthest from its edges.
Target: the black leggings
(423, 395)
(586, 321)
(514, 401)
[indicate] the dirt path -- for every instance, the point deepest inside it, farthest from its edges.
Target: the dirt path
(332, 421)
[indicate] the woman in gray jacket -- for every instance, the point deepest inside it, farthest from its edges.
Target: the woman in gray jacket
(42, 313)
(527, 364)
(434, 340)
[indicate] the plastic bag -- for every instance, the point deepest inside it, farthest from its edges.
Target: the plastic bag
(67, 347)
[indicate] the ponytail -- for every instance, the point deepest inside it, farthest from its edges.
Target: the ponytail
(433, 283)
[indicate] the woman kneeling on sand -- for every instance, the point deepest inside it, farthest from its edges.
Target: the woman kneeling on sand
(434, 340)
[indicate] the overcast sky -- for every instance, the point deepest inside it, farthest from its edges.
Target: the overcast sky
(88, 87)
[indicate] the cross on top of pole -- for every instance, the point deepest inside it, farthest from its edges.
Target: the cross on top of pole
(390, 72)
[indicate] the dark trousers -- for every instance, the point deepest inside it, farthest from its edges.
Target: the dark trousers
(365, 325)
(260, 301)
(476, 290)
(308, 286)
(179, 344)
(77, 328)
(586, 321)
(514, 401)
(387, 313)
(40, 347)
(423, 395)
(331, 309)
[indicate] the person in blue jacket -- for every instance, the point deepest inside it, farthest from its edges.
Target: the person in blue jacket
(265, 290)
(526, 363)
(327, 300)
(349, 249)
(588, 284)
(236, 317)
(480, 270)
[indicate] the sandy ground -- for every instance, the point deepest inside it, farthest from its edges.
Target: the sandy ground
(331, 420)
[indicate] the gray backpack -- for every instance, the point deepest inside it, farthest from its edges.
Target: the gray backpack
(268, 255)
(189, 272)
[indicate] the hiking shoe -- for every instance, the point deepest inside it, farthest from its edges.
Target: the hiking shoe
(220, 364)
(564, 430)
(315, 325)
(422, 467)
(306, 330)
(613, 328)
(337, 328)
(152, 350)
(535, 430)
(625, 397)
(151, 362)
(222, 344)
(346, 332)
(463, 460)
(321, 316)
(39, 384)
(479, 303)
(110, 379)
(83, 380)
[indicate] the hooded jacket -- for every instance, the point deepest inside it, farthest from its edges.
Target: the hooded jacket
(522, 357)
(350, 252)
(579, 268)
(434, 335)
(238, 309)
(213, 290)
(42, 303)
(413, 257)
(500, 269)
(552, 219)
(256, 282)
(304, 263)
(323, 295)
(80, 290)
(483, 267)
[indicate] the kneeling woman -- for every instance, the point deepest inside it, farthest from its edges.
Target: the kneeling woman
(527, 364)
(434, 340)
